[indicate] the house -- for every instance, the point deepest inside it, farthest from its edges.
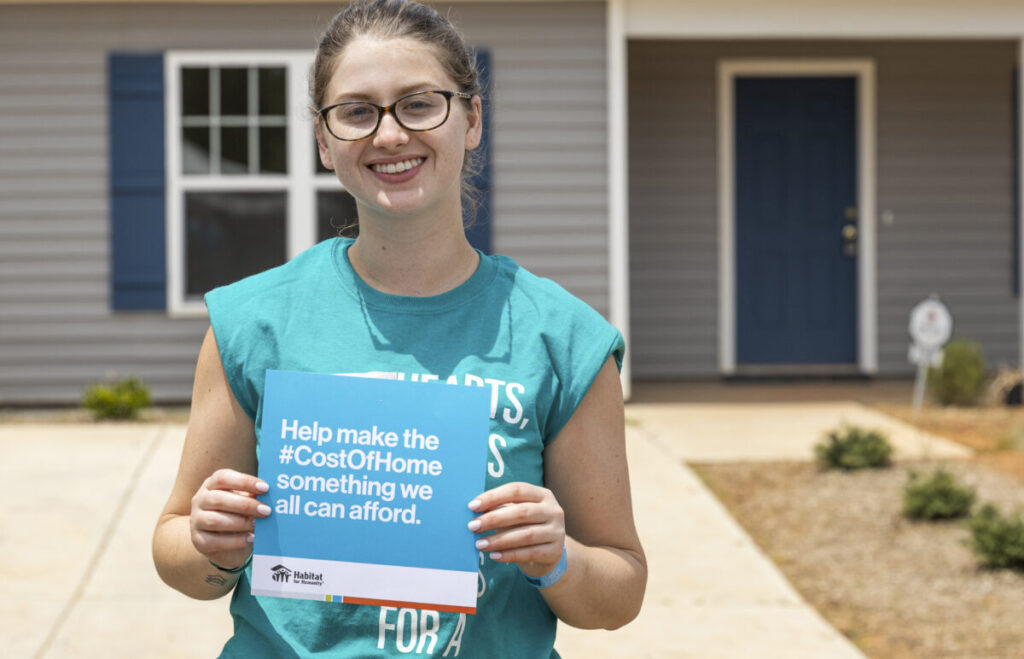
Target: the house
(745, 187)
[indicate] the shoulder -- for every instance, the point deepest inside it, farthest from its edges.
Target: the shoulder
(569, 327)
(274, 287)
(542, 295)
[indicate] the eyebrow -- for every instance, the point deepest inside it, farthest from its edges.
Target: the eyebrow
(402, 91)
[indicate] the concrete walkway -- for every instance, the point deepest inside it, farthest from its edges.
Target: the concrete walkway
(76, 578)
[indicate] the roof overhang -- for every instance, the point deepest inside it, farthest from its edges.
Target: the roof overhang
(825, 19)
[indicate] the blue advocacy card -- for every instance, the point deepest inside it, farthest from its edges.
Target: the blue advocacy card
(369, 485)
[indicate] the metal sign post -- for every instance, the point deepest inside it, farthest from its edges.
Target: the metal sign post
(931, 325)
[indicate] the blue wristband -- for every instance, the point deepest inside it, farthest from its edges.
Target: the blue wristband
(551, 577)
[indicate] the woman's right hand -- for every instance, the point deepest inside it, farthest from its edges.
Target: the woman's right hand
(223, 511)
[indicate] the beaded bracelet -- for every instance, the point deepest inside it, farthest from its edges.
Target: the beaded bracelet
(234, 570)
(551, 577)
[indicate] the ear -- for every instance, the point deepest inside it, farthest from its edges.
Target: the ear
(475, 124)
(321, 145)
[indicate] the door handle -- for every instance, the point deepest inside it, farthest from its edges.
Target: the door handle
(850, 240)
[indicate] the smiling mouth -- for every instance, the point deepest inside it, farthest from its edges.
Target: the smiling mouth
(397, 167)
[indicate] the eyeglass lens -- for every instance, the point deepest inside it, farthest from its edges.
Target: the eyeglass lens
(418, 112)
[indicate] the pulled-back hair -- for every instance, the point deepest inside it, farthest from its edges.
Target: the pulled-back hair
(395, 19)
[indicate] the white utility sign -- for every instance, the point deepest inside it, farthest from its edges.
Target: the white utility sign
(931, 326)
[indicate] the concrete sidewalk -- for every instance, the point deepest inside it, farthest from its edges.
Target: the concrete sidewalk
(76, 578)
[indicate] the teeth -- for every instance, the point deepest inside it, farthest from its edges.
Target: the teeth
(398, 167)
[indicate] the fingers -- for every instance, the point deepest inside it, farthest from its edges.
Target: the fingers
(223, 511)
(517, 492)
(211, 544)
(527, 522)
(238, 503)
(229, 479)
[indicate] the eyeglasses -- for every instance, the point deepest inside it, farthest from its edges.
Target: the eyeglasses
(417, 112)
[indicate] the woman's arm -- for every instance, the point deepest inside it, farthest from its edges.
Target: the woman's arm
(586, 508)
(209, 515)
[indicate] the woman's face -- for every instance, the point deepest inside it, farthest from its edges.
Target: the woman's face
(381, 71)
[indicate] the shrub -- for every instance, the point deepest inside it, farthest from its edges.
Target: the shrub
(117, 400)
(851, 448)
(959, 378)
(996, 540)
(936, 497)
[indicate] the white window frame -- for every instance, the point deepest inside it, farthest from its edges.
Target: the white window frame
(301, 183)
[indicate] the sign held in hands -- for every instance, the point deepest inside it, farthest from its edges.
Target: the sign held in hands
(369, 481)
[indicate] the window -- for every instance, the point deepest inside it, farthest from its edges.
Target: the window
(244, 189)
(214, 173)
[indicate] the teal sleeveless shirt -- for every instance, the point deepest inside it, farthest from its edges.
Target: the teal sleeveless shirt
(535, 347)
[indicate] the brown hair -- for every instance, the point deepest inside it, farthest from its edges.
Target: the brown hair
(400, 19)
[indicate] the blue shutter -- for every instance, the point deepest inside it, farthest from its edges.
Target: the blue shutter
(137, 239)
(479, 232)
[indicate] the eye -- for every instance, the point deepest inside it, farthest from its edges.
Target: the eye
(420, 104)
(355, 112)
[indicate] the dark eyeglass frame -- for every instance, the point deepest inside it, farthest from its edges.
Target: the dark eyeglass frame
(390, 109)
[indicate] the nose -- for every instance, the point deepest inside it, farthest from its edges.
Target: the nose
(389, 134)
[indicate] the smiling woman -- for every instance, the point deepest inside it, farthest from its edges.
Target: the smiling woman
(397, 110)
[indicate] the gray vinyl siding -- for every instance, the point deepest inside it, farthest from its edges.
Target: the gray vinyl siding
(945, 156)
(57, 331)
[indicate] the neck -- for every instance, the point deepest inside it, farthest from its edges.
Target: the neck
(412, 257)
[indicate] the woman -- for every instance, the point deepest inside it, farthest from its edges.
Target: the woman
(397, 111)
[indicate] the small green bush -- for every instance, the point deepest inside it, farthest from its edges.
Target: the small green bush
(997, 541)
(936, 497)
(959, 378)
(117, 400)
(849, 448)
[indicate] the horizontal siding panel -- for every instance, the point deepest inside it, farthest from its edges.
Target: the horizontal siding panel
(77, 289)
(56, 209)
(32, 145)
(66, 165)
(112, 329)
(548, 203)
(67, 188)
(83, 374)
(52, 270)
(591, 159)
(18, 355)
(567, 138)
(26, 250)
(47, 120)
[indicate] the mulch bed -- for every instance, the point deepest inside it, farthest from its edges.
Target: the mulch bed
(896, 588)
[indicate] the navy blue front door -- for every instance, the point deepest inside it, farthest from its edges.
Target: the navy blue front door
(796, 186)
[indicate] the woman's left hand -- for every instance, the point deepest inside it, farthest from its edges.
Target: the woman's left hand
(528, 525)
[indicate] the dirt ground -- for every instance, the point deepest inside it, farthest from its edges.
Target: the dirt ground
(897, 588)
(996, 433)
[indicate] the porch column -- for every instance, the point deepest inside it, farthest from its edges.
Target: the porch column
(618, 201)
(1020, 194)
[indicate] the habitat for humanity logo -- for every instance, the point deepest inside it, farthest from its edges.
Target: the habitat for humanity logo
(283, 574)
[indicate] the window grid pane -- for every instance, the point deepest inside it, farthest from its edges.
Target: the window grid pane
(230, 123)
(231, 235)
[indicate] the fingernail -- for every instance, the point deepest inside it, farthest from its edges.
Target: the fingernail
(249, 538)
(474, 525)
(474, 504)
(262, 486)
(263, 509)
(482, 544)
(495, 555)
